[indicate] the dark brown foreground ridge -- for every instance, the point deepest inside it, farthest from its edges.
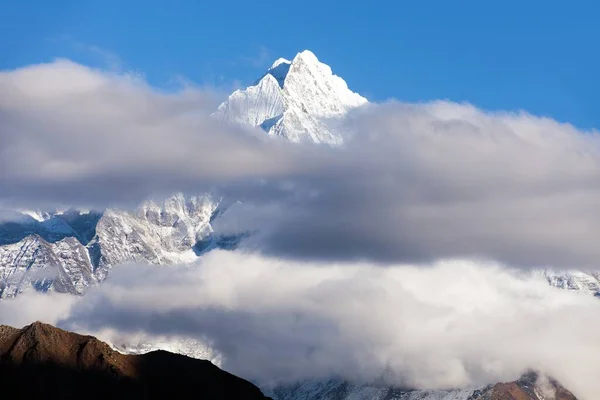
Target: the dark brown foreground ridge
(41, 361)
(526, 388)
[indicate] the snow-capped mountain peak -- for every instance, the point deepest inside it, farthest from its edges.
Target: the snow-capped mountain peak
(319, 91)
(294, 99)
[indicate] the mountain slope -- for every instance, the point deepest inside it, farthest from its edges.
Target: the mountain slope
(41, 360)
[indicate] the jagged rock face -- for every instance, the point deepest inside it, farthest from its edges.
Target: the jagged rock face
(294, 99)
(43, 361)
(63, 266)
(156, 234)
(85, 246)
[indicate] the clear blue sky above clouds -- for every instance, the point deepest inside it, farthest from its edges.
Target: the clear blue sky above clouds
(541, 56)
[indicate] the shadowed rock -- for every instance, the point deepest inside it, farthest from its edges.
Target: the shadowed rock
(41, 360)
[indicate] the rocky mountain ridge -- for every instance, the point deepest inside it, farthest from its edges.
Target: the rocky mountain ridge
(41, 361)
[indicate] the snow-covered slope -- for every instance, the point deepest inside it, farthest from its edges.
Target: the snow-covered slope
(68, 252)
(156, 234)
(33, 262)
(295, 99)
(587, 282)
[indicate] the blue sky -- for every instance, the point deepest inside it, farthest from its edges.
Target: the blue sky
(541, 56)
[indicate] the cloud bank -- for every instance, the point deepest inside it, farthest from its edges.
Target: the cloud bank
(452, 324)
(78, 136)
(421, 182)
(413, 182)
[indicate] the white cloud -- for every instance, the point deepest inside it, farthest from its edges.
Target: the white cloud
(454, 323)
(413, 182)
(72, 134)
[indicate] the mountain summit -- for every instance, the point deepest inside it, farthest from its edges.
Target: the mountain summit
(294, 99)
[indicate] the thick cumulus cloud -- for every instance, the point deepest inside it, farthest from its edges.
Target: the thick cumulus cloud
(420, 182)
(412, 183)
(452, 324)
(71, 135)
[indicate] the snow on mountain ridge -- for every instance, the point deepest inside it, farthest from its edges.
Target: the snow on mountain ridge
(254, 105)
(63, 266)
(294, 99)
(586, 282)
(280, 61)
(70, 251)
